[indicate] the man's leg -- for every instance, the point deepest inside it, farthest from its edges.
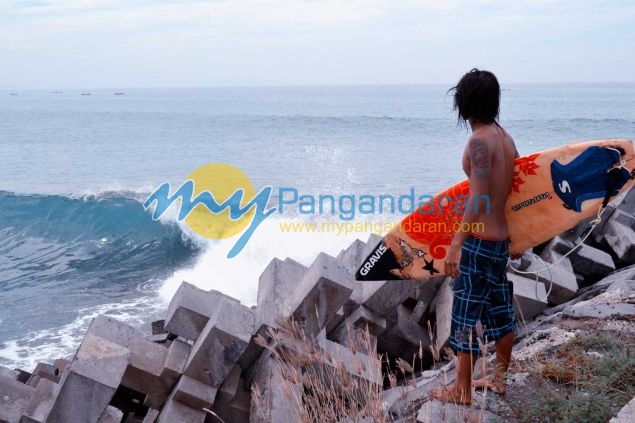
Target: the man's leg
(467, 304)
(500, 322)
(496, 383)
(461, 391)
(504, 347)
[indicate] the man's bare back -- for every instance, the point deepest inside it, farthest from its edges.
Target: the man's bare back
(490, 153)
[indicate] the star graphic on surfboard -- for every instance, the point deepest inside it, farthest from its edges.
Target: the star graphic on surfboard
(430, 267)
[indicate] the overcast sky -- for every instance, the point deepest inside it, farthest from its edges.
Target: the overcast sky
(139, 43)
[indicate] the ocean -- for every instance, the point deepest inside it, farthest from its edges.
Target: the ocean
(75, 240)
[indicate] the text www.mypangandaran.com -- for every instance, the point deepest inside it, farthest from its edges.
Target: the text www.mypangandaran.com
(379, 228)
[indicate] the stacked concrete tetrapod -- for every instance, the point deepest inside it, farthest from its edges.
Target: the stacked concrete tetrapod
(618, 231)
(209, 360)
(216, 328)
(114, 355)
(312, 297)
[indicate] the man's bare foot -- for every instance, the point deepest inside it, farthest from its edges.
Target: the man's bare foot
(495, 385)
(452, 395)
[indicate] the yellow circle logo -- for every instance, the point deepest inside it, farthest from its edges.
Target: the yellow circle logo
(221, 180)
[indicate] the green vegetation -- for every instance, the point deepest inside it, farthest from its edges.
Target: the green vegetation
(586, 380)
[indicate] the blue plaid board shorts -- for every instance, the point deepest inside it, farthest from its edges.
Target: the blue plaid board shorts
(481, 293)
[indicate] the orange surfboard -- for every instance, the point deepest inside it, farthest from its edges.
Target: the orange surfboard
(552, 191)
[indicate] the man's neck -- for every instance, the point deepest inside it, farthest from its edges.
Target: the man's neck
(476, 124)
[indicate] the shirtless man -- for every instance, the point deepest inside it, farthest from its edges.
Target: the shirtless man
(478, 261)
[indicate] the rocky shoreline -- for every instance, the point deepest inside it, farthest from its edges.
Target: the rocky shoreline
(213, 359)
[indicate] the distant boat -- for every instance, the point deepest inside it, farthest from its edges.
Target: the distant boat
(57, 92)
(13, 94)
(120, 93)
(85, 93)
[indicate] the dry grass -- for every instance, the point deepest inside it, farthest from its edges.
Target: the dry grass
(346, 384)
(322, 385)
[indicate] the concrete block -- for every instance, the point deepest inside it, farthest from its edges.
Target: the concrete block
(353, 255)
(383, 297)
(9, 373)
(425, 293)
(233, 395)
(625, 217)
(621, 239)
(556, 248)
(357, 364)
(41, 402)
(323, 289)
(229, 414)
(191, 308)
(560, 277)
(111, 415)
(597, 235)
(588, 261)
(175, 360)
(404, 338)
(158, 327)
(230, 385)
(89, 383)
(442, 306)
(575, 233)
(14, 398)
(194, 393)
(175, 412)
(435, 411)
(361, 319)
(626, 414)
(147, 358)
(366, 319)
(276, 283)
(584, 310)
(336, 320)
(274, 404)
(221, 343)
(242, 399)
(628, 202)
(23, 376)
(591, 262)
(615, 280)
(616, 302)
(61, 364)
(530, 297)
(372, 242)
(43, 371)
(159, 339)
(151, 416)
(408, 330)
(351, 258)
(252, 351)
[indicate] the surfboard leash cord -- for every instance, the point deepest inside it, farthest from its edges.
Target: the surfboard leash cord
(594, 223)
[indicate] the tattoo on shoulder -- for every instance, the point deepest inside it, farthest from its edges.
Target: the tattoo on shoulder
(479, 156)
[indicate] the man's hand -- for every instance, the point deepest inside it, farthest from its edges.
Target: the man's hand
(515, 255)
(452, 261)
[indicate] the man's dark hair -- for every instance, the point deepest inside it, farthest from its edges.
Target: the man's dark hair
(477, 96)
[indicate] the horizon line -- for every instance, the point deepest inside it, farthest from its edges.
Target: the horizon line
(404, 84)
